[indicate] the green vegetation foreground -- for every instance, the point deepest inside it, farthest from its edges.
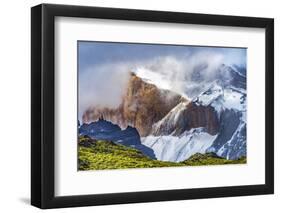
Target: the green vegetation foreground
(101, 154)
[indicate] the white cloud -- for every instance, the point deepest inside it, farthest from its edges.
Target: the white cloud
(184, 75)
(104, 85)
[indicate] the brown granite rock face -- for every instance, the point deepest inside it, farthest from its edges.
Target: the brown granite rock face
(143, 105)
(202, 116)
(186, 116)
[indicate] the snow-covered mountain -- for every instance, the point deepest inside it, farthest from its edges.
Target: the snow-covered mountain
(178, 148)
(214, 121)
(230, 103)
(173, 126)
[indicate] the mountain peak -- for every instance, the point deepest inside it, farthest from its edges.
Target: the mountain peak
(142, 105)
(222, 97)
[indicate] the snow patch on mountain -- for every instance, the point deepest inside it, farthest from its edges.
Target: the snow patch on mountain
(236, 143)
(222, 98)
(151, 77)
(237, 70)
(228, 102)
(179, 148)
(171, 119)
(183, 131)
(161, 80)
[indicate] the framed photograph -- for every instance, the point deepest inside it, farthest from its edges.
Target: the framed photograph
(139, 106)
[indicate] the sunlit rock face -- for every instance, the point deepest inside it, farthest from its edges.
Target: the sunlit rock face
(142, 105)
(174, 127)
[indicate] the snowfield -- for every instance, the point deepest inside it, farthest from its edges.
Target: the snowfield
(179, 148)
(223, 98)
(230, 142)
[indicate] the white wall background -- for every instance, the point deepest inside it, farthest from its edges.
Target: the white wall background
(15, 105)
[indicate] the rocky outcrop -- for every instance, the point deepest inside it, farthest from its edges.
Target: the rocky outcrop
(105, 130)
(186, 116)
(143, 105)
(202, 116)
(174, 128)
(155, 111)
(231, 140)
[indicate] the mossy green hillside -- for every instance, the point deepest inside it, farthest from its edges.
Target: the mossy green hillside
(101, 154)
(210, 159)
(108, 155)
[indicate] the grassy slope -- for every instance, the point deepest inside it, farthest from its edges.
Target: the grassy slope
(108, 155)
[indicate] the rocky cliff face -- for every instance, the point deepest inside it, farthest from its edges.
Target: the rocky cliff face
(214, 121)
(156, 111)
(186, 116)
(176, 128)
(143, 105)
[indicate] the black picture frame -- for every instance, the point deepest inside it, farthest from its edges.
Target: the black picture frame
(43, 111)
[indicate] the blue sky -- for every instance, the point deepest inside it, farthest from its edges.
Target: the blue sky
(93, 54)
